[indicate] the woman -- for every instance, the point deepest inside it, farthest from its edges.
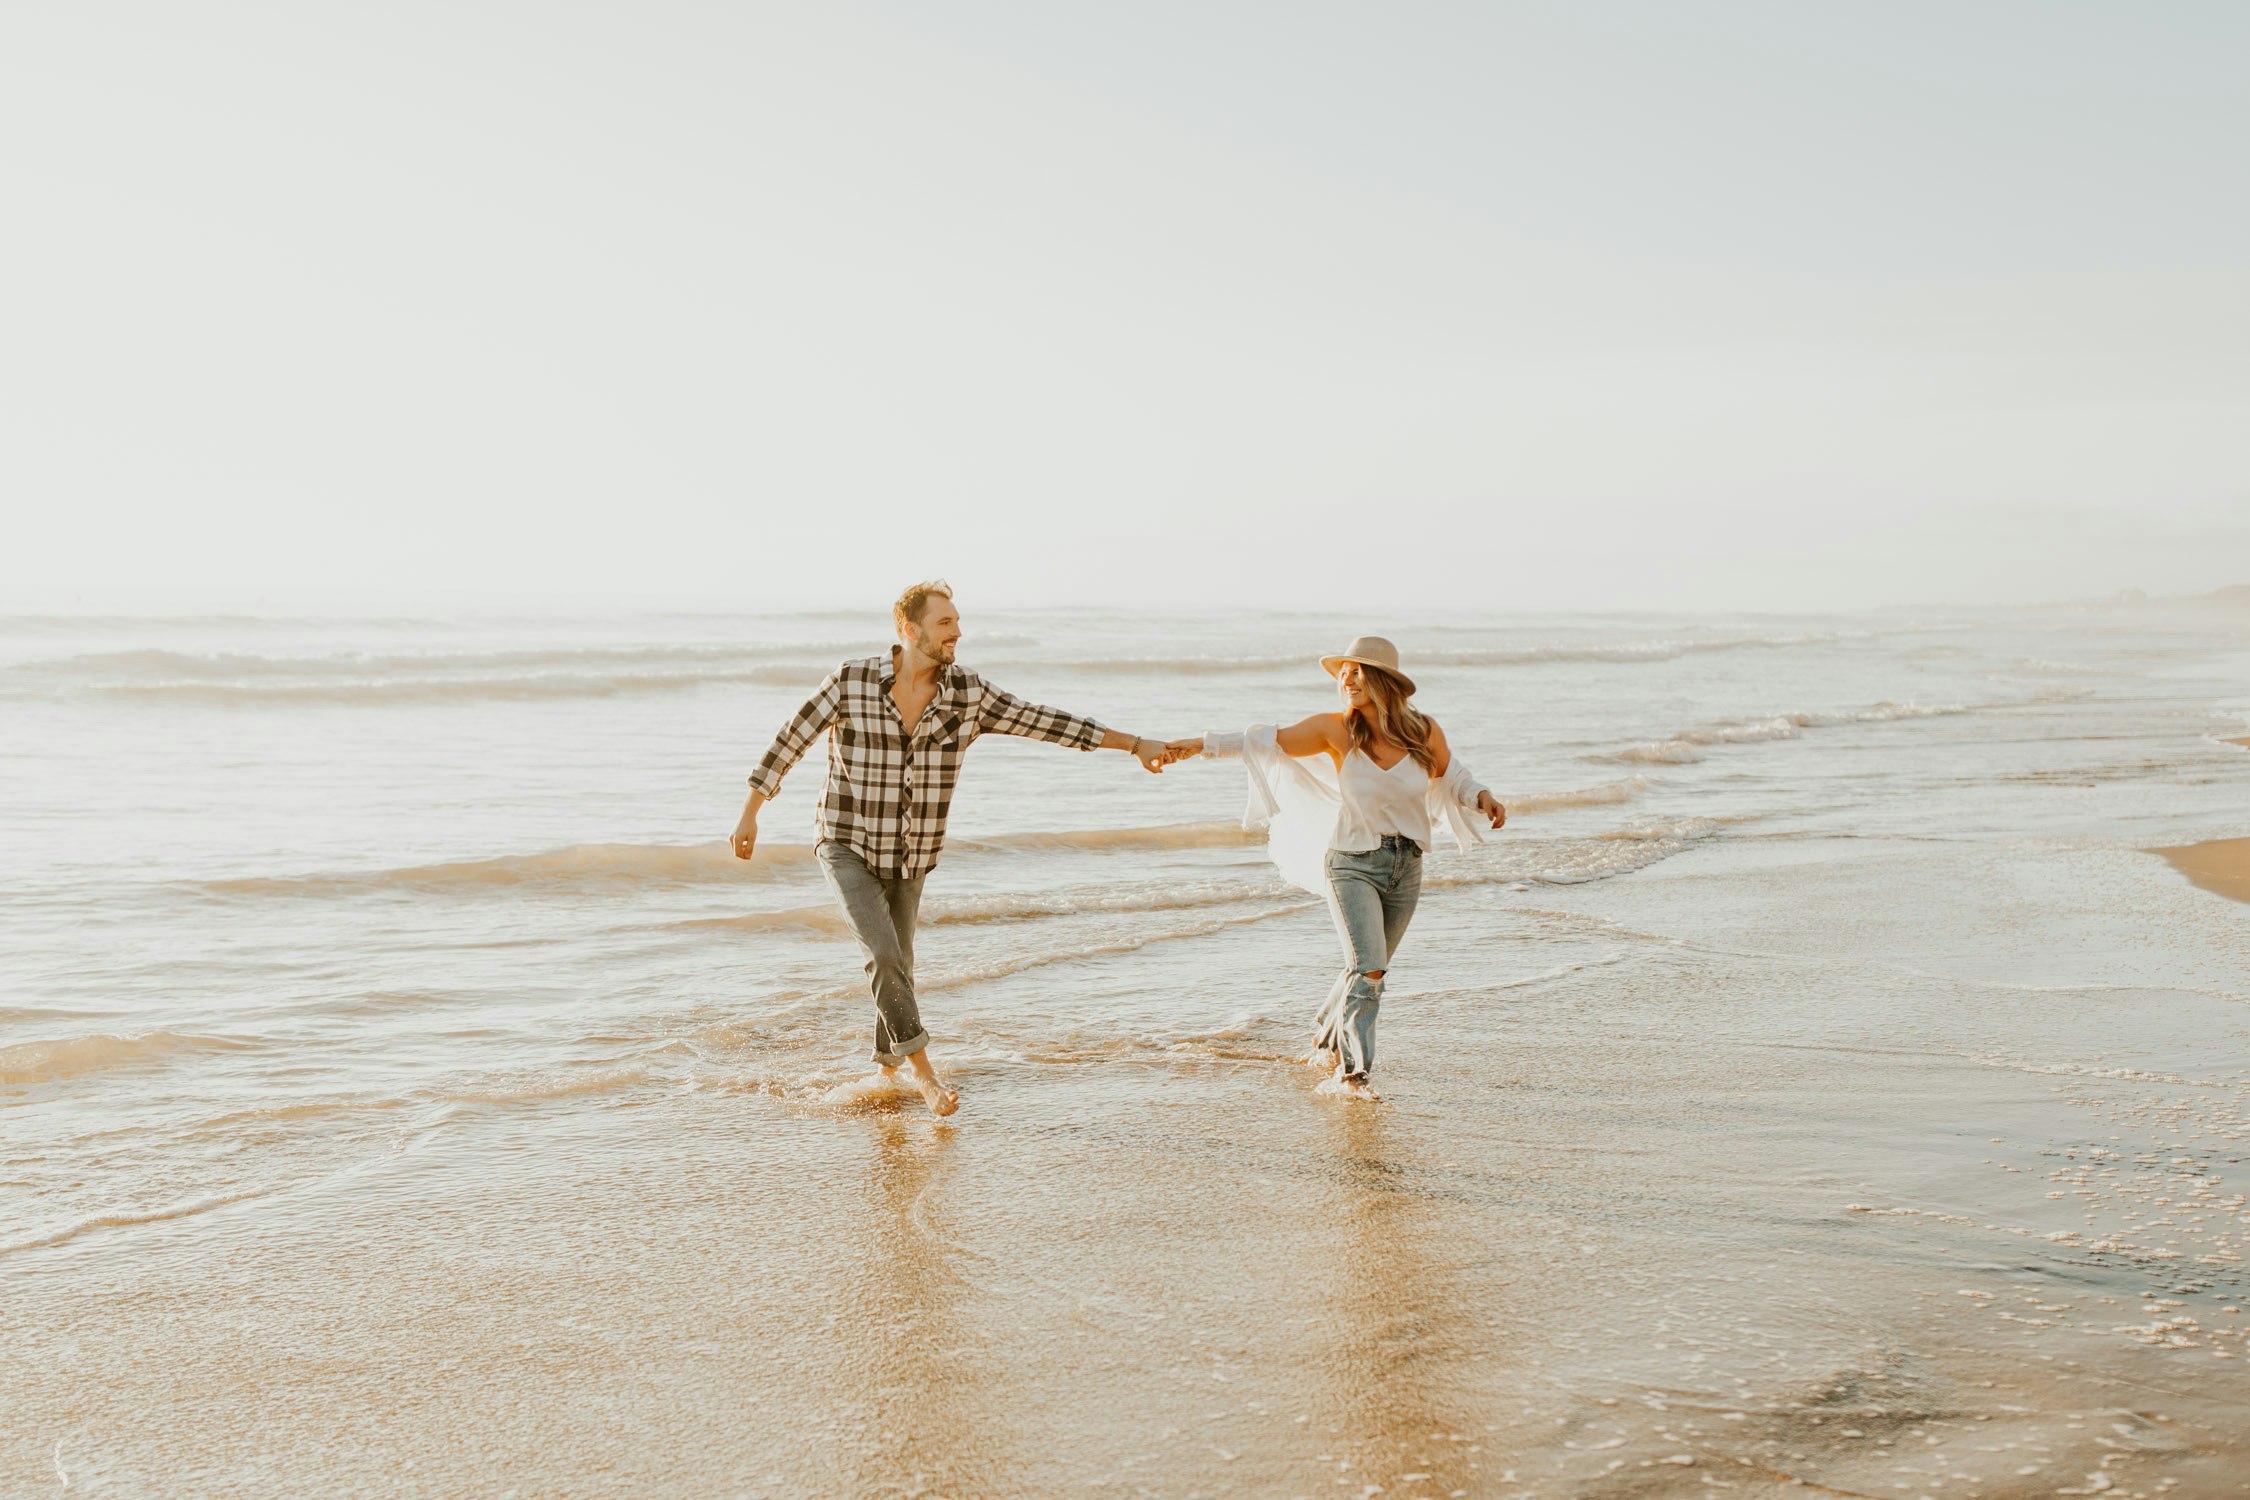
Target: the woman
(1354, 828)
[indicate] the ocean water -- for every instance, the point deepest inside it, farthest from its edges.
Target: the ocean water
(402, 1090)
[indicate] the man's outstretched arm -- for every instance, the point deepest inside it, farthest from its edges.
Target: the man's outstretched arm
(788, 747)
(1005, 713)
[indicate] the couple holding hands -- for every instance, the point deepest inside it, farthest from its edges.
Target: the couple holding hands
(1351, 799)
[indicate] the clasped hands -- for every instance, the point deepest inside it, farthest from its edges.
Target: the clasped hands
(1157, 754)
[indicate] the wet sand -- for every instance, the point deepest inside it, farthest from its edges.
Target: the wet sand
(1372, 1298)
(1692, 1210)
(2221, 865)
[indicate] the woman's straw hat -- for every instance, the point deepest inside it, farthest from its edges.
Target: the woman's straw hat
(1369, 651)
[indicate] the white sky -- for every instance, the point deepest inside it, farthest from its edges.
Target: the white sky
(1580, 305)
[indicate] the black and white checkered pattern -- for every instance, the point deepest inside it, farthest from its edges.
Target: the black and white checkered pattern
(888, 791)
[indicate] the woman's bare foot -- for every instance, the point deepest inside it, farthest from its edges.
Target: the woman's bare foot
(1350, 1088)
(1323, 1058)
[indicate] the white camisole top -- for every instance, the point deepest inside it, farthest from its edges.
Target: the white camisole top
(1306, 812)
(1377, 802)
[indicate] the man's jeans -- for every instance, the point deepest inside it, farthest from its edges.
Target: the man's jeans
(882, 914)
(1372, 900)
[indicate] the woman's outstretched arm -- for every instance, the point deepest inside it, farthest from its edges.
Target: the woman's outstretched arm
(1322, 733)
(1314, 735)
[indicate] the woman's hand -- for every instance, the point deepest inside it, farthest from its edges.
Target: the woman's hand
(1490, 806)
(1180, 750)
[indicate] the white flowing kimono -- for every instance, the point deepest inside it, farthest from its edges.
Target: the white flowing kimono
(1298, 802)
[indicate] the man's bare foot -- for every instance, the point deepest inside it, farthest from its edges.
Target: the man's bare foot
(1350, 1088)
(942, 1100)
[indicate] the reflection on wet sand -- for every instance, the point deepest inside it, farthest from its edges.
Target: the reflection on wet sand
(919, 1417)
(1392, 1379)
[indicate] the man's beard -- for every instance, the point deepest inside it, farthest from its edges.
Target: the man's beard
(940, 655)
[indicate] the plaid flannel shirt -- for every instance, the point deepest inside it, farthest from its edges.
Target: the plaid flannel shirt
(888, 790)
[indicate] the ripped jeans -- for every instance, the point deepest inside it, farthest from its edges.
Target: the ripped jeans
(1372, 898)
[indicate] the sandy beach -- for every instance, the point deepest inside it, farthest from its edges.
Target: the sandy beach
(2221, 865)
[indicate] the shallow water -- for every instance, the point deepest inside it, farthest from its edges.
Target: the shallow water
(402, 1091)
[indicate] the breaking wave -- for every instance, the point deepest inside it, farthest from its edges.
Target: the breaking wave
(681, 864)
(422, 677)
(572, 865)
(1688, 745)
(599, 865)
(593, 867)
(73, 1056)
(1608, 794)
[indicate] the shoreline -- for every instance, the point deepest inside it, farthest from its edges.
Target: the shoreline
(2221, 866)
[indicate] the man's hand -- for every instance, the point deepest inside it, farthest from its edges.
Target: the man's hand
(1183, 750)
(1490, 806)
(1150, 753)
(745, 835)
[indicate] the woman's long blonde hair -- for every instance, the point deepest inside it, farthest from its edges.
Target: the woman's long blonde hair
(1394, 719)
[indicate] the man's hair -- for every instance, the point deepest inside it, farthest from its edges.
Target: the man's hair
(908, 610)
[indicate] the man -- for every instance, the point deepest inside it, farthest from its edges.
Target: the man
(897, 726)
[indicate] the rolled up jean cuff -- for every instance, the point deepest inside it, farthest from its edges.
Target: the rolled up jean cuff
(903, 1051)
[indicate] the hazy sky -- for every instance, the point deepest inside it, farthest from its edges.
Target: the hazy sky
(1571, 305)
